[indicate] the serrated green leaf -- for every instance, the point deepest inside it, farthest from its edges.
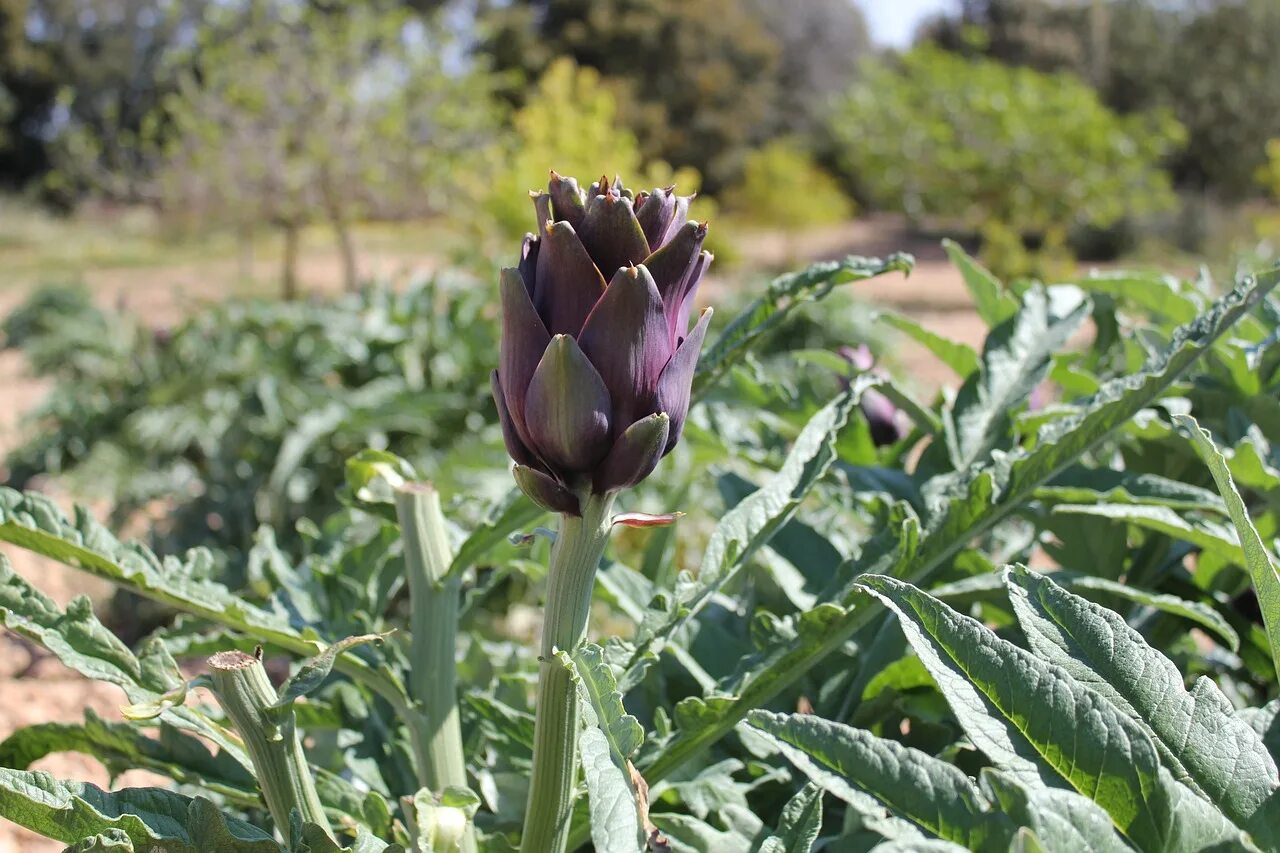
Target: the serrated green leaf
(975, 502)
(818, 632)
(1015, 359)
(931, 793)
(111, 841)
(1254, 555)
(960, 357)
(782, 296)
(1201, 532)
(1159, 294)
(1197, 732)
(122, 747)
(749, 525)
(1041, 726)
(32, 521)
(153, 819)
(688, 834)
(800, 558)
(992, 302)
(607, 738)
(84, 644)
(317, 840)
(513, 512)
(1265, 722)
(799, 824)
(991, 587)
(312, 673)
(1081, 485)
(711, 790)
(516, 726)
(1062, 821)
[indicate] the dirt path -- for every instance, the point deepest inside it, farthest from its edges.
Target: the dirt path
(35, 688)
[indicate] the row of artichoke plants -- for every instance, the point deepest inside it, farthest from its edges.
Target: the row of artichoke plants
(987, 721)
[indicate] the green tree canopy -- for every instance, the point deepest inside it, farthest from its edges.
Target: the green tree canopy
(821, 44)
(93, 66)
(1214, 64)
(292, 114)
(973, 140)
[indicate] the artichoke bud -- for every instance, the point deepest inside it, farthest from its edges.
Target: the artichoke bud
(597, 354)
(883, 417)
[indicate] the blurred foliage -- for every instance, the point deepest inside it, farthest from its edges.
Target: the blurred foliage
(820, 46)
(1214, 64)
(244, 414)
(1226, 90)
(572, 121)
(1268, 174)
(782, 187)
(96, 65)
(1006, 253)
(696, 82)
(971, 140)
(286, 114)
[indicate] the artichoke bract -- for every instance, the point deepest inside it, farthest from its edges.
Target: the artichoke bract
(597, 356)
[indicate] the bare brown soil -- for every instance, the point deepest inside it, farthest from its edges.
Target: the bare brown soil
(35, 688)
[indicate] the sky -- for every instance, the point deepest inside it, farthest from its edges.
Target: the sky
(893, 22)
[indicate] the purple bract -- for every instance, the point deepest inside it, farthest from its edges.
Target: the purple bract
(593, 379)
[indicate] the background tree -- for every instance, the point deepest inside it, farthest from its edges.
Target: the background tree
(1225, 87)
(783, 188)
(820, 44)
(292, 114)
(1143, 54)
(696, 82)
(94, 67)
(972, 141)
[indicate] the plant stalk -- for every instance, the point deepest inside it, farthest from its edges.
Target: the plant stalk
(435, 598)
(571, 575)
(271, 738)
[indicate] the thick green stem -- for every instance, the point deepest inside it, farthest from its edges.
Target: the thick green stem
(434, 598)
(270, 737)
(574, 559)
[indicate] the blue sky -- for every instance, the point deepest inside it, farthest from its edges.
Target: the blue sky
(893, 22)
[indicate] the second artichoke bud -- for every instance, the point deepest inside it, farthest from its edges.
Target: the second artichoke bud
(597, 357)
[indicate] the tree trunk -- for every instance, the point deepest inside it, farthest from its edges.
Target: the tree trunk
(347, 248)
(244, 258)
(289, 271)
(341, 230)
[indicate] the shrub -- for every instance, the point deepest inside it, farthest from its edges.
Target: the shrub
(782, 187)
(571, 120)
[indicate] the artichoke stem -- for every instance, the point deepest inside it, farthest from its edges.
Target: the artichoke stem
(270, 737)
(434, 598)
(575, 557)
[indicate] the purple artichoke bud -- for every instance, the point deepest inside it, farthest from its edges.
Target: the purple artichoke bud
(597, 356)
(882, 418)
(881, 414)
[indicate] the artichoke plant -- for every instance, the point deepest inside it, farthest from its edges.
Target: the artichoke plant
(592, 389)
(597, 356)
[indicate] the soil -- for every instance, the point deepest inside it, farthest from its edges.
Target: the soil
(35, 688)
